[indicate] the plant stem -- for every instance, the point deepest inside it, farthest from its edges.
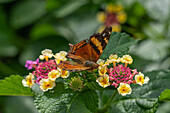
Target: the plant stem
(108, 104)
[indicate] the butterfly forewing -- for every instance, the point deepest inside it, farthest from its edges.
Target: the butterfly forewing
(98, 42)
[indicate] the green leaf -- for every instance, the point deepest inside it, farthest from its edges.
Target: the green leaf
(94, 86)
(159, 81)
(144, 99)
(136, 106)
(61, 100)
(165, 96)
(26, 12)
(5, 1)
(13, 86)
(36, 90)
(157, 9)
(19, 104)
(118, 43)
(73, 32)
(69, 8)
(164, 107)
(151, 47)
(7, 48)
(90, 99)
(42, 30)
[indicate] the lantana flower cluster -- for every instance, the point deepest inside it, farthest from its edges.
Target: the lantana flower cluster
(113, 15)
(112, 72)
(119, 74)
(45, 71)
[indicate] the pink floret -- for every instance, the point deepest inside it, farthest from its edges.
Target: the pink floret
(121, 74)
(44, 68)
(30, 64)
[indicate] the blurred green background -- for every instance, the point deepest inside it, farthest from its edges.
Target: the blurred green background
(29, 26)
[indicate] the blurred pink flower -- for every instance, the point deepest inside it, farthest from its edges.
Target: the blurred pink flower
(30, 64)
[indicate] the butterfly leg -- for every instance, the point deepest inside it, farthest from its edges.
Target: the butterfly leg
(94, 73)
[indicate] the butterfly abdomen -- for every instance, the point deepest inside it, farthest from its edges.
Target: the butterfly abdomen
(91, 64)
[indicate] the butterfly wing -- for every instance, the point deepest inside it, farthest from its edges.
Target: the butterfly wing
(91, 50)
(81, 50)
(98, 43)
(69, 66)
(79, 53)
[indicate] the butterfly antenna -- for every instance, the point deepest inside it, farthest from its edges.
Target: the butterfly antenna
(71, 45)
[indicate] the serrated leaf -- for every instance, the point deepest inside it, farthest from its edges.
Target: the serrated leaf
(61, 100)
(144, 99)
(13, 86)
(118, 43)
(90, 99)
(165, 95)
(26, 12)
(136, 106)
(94, 86)
(159, 81)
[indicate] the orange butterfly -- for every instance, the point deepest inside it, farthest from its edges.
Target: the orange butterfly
(86, 53)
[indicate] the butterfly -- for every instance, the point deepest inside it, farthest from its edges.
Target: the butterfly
(85, 54)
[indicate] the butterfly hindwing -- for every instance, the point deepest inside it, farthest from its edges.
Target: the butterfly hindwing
(76, 58)
(69, 66)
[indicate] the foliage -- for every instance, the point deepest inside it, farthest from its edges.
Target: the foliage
(120, 44)
(13, 86)
(21, 18)
(165, 95)
(145, 99)
(61, 100)
(29, 26)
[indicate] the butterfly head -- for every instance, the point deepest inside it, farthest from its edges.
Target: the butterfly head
(107, 31)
